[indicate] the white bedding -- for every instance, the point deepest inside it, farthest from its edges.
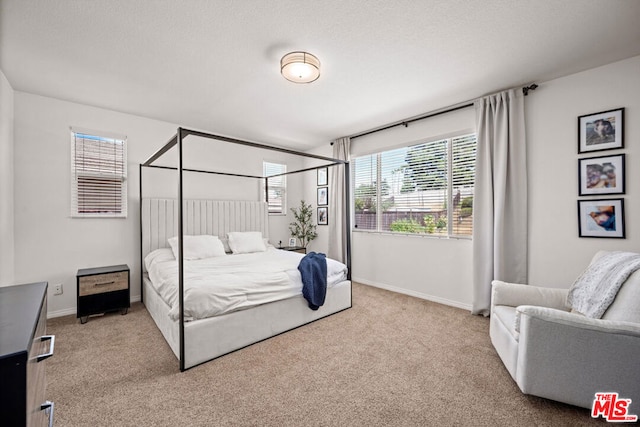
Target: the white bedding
(215, 286)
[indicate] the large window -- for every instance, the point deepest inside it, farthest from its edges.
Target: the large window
(422, 189)
(98, 176)
(276, 187)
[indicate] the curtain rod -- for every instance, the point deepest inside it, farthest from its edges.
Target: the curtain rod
(405, 123)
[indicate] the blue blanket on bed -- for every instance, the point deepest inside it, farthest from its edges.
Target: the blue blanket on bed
(313, 269)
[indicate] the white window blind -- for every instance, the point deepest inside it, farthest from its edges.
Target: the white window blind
(409, 190)
(98, 176)
(463, 170)
(276, 187)
(365, 192)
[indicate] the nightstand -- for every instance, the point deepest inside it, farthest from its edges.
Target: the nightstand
(102, 289)
(298, 249)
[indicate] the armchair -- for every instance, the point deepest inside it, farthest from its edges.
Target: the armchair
(556, 354)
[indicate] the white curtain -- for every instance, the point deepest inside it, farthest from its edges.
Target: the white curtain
(500, 200)
(337, 226)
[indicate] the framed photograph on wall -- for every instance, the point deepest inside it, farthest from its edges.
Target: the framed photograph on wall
(323, 196)
(601, 175)
(601, 131)
(322, 176)
(601, 218)
(323, 216)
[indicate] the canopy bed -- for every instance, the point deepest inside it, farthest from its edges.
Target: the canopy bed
(210, 279)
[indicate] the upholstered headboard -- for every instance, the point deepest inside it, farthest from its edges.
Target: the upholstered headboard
(215, 217)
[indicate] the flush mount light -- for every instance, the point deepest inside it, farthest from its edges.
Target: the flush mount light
(300, 67)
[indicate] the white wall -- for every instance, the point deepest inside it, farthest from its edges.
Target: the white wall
(440, 269)
(428, 267)
(49, 244)
(557, 255)
(6, 183)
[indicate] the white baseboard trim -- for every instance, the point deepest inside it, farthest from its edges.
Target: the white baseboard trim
(413, 293)
(70, 311)
(60, 313)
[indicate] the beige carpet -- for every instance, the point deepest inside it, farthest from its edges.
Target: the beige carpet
(391, 360)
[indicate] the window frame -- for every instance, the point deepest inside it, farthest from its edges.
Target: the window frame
(377, 157)
(98, 168)
(283, 175)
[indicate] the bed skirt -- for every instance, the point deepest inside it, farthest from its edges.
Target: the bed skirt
(213, 337)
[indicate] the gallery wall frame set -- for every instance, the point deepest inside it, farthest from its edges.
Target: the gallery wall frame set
(601, 175)
(323, 196)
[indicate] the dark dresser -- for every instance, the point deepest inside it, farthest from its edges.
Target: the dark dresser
(24, 346)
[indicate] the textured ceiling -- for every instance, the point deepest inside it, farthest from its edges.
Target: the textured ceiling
(214, 64)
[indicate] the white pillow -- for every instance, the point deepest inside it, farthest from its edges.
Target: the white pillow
(198, 247)
(157, 256)
(245, 242)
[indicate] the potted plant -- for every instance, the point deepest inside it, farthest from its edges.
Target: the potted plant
(303, 228)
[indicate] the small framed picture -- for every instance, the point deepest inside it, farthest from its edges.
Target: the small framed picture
(322, 176)
(601, 131)
(323, 216)
(292, 242)
(601, 175)
(601, 218)
(323, 196)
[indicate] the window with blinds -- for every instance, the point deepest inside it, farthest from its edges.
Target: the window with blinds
(98, 176)
(422, 189)
(275, 191)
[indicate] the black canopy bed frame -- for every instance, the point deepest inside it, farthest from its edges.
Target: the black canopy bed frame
(265, 323)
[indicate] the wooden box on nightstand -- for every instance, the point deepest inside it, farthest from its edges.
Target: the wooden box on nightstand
(102, 289)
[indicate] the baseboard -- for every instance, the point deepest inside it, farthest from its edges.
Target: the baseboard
(70, 311)
(413, 293)
(60, 313)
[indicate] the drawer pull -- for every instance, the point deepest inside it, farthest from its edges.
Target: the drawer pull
(48, 408)
(47, 355)
(105, 283)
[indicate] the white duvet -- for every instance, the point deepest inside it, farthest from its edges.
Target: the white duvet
(215, 286)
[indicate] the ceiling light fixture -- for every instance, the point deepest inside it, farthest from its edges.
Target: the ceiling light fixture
(300, 67)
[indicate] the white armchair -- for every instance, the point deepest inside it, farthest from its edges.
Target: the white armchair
(553, 353)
